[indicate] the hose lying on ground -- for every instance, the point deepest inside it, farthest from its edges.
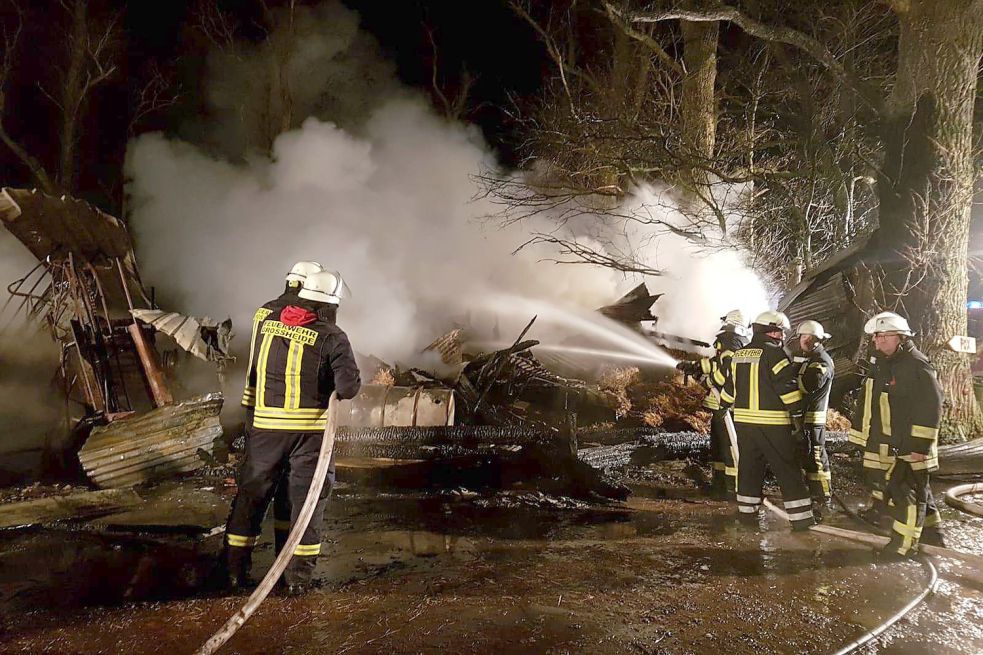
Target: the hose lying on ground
(952, 498)
(879, 541)
(237, 620)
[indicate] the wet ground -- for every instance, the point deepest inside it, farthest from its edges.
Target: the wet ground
(666, 572)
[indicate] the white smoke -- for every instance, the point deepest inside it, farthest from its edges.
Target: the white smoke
(391, 204)
(28, 362)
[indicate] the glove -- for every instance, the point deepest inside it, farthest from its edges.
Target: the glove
(688, 367)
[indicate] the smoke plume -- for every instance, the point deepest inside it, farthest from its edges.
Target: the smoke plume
(391, 203)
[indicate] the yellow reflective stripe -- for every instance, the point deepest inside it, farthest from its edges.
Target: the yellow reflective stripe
(820, 475)
(308, 550)
(264, 352)
(885, 403)
(857, 437)
(932, 519)
(718, 466)
(868, 408)
(300, 412)
(753, 400)
(930, 463)
(718, 377)
(295, 352)
(281, 525)
(730, 471)
(777, 368)
(762, 416)
(923, 432)
(289, 424)
(711, 402)
(240, 541)
(792, 397)
(818, 365)
(816, 418)
(726, 397)
(705, 365)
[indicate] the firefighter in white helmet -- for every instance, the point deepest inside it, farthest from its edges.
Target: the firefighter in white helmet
(714, 372)
(764, 391)
(815, 372)
(897, 423)
(301, 357)
(292, 284)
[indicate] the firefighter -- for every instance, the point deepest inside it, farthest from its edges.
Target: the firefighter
(898, 415)
(292, 284)
(302, 356)
(714, 371)
(764, 391)
(815, 374)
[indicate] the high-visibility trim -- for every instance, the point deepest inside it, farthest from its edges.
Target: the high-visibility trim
(747, 509)
(857, 437)
(281, 525)
(718, 377)
(820, 366)
(877, 494)
(711, 402)
(754, 500)
(802, 502)
(248, 397)
(730, 471)
(754, 398)
(779, 367)
(791, 397)
(295, 355)
(885, 403)
(819, 475)
(307, 550)
(264, 353)
(923, 432)
(815, 418)
(718, 466)
(801, 516)
(928, 464)
(299, 412)
(868, 408)
(762, 416)
(706, 366)
(288, 425)
(240, 541)
(932, 519)
(726, 397)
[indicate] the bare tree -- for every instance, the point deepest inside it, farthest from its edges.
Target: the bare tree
(11, 37)
(924, 188)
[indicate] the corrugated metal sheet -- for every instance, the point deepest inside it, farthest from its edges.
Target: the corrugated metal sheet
(153, 445)
(189, 331)
(449, 346)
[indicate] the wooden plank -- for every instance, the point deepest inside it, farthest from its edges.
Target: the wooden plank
(58, 508)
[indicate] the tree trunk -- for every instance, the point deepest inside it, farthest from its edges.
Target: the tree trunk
(698, 106)
(926, 188)
(73, 94)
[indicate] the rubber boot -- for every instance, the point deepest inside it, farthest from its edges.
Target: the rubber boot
(237, 563)
(932, 537)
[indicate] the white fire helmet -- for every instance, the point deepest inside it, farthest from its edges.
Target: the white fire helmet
(888, 322)
(734, 317)
(773, 319)
(301, 270)
(325, 286)
(814, 328)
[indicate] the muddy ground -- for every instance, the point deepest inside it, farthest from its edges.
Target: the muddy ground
(458, 572)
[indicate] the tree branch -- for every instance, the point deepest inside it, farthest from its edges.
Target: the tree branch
(615, 17)
(718, 11)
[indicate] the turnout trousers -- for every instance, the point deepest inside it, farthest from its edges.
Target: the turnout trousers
(815, 463)
(276, 459)
(722, 454)
(912, 506)
(764, 446)
(878, 460)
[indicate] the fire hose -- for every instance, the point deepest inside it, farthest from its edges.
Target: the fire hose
(237, 620)
(952, 498)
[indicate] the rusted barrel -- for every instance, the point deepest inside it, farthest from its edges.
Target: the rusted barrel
(378, 406)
